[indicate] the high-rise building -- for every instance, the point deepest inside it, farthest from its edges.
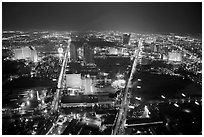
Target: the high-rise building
(87, 85)
(27, 52)
(88, 54)
(113, 51)
(73, 52)
(34, 56)
(164, 57)
(144, 61)
(80, 53)
(18, 54)
(73, 81)
(126, 38)
(60, 51)
(174, 57)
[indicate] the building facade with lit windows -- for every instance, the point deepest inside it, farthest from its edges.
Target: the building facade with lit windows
(28, 53)
(126, 38)
(73, 53)
(175, 57)
(88, 54)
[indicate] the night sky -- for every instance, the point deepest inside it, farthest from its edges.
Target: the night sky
(132, 17)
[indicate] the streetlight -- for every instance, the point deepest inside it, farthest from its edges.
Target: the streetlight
(196, 102)
(138, 87)
(176, 105)
(183, 94)
(31, 95)
(28, 102)
(139, 79)
(163, 96)
(138, 98)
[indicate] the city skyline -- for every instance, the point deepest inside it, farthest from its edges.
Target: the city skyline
(128, 17)
(102, 68)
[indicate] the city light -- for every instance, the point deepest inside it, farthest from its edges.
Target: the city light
(139, 87)
(183, 95)
(107, 82)
(138, 98)
(187, 110)
(28, 102)
(31, 95)
(197, 103)
(176, 105)
(163, 96)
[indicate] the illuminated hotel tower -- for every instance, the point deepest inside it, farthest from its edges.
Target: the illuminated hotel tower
(126, 38)
(88, 54)
(28, 52)
(73, 52)
(175, 57)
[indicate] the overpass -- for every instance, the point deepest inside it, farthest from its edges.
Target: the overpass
(125, 102)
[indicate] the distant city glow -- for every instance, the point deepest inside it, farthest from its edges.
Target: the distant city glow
(103, 82)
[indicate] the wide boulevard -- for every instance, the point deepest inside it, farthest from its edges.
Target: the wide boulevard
(125, 102)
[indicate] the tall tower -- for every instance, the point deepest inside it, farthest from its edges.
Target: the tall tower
(34, 56)
(126, 38)
(73, 52)
(88, 54)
